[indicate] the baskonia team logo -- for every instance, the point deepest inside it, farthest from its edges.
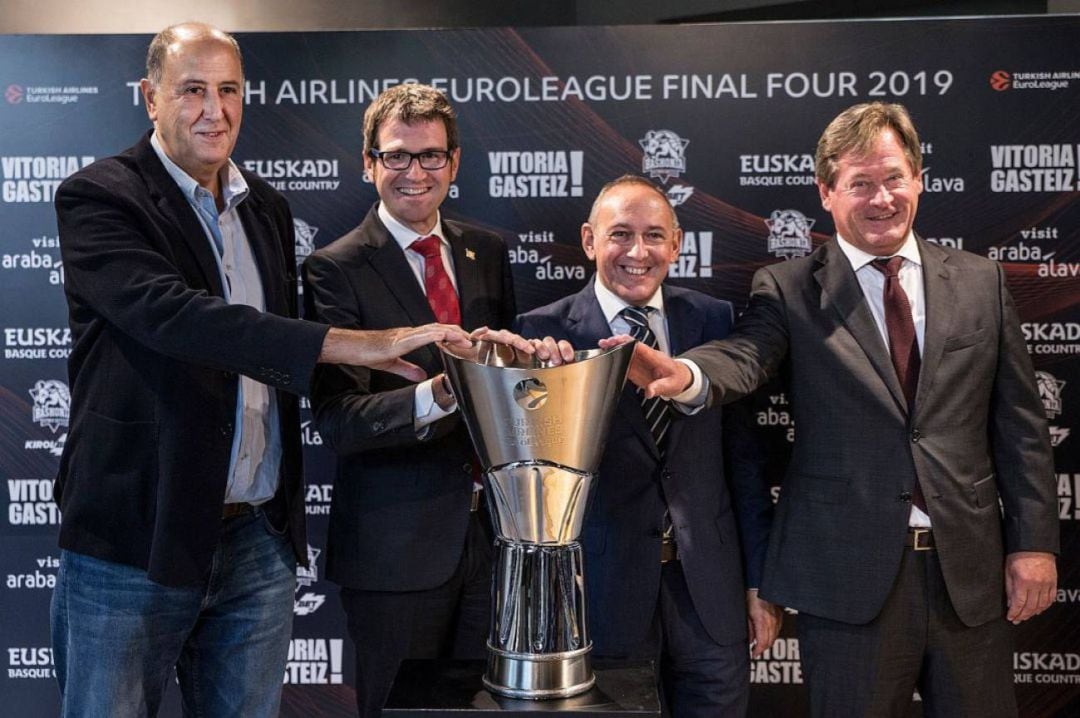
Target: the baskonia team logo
(1050, 392)
(52, 404)
(665, 154)
(789, 233)
(305, 245)
(305, 239)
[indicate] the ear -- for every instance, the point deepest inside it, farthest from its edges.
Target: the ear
(588, 241)
(149, 97)
(825, 192)
(455, 162)
(676, 244)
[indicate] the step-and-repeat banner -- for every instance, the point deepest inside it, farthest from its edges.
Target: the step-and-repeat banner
(724, 118)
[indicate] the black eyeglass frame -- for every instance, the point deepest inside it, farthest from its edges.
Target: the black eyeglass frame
(441, 159)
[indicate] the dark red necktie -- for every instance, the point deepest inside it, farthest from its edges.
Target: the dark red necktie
(903, 345)
(441, 296)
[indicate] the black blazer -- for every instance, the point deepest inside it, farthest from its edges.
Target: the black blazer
(401, 502)
(622, 529)
(976, 434)
(153, 368)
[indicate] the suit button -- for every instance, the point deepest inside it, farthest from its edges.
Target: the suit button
(467, 468)
(665, 475)
(905, 496)
(915, 436)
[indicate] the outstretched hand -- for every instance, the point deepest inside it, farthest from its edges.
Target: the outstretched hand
(652, 370)
(383, 348)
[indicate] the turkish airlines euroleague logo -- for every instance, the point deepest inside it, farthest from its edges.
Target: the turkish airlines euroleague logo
(1001, 80)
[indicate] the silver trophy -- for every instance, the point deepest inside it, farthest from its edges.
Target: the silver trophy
(539, 432)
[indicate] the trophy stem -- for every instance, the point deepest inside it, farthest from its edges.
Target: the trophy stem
(539, 644)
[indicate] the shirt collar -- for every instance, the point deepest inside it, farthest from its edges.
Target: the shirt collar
(405, 236)
(234, 188)
(859, 258)
(611, 304)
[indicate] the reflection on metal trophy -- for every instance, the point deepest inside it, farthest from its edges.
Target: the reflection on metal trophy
(539, 432)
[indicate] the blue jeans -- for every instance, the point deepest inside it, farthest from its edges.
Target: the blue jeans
(117, 635)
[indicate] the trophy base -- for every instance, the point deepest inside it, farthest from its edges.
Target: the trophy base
(539, 677)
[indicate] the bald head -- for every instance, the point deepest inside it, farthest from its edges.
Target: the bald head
(170, 39)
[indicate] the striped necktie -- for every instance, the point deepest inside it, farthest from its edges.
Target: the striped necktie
(657, 410)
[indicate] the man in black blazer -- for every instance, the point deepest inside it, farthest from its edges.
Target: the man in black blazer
(180, 484)
(918, 515)
(663, 562)
(407, 542)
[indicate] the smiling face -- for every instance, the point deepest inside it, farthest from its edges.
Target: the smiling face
(632, 237)
(874, 196)
(413, 195)
(197, 105)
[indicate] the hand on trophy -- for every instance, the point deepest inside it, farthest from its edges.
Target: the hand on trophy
(382, 349)
(652, 370)
(547, 350)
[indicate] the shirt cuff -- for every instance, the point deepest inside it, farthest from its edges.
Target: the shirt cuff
(692, 399)
(425, 410)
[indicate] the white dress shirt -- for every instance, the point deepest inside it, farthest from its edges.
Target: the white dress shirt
(872, 283)
(425, 410)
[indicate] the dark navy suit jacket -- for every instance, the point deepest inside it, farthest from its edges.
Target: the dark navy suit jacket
(401, 502)
(623, 524)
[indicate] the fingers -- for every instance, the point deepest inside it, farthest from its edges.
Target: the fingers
(609, 342)
(503, 336)
(553, 352)
(407, 339)
(764, 621)
(1030, 584)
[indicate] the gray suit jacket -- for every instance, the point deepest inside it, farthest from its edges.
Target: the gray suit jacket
(977, 434)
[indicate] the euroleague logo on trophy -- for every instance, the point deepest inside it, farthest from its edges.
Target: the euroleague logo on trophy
(530, 394)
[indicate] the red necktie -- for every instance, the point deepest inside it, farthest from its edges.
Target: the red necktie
(903, 345)
(440, 290)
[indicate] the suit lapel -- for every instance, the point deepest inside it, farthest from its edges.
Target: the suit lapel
(840, 292)
(466, 273)
(586, 326)
(390, 264)
(939, 290)
(186, 231)
(265, 244)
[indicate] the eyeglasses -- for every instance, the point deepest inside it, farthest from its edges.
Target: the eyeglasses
(400, 160)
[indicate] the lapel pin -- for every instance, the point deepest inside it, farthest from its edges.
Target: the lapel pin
(470, 254)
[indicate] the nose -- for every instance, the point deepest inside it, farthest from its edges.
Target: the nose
(637, 248)
(882, 195)
(415, 171)
(211, 105)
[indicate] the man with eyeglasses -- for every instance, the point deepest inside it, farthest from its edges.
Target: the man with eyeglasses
(408, 542)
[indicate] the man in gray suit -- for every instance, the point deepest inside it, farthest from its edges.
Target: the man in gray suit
(917, 410)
